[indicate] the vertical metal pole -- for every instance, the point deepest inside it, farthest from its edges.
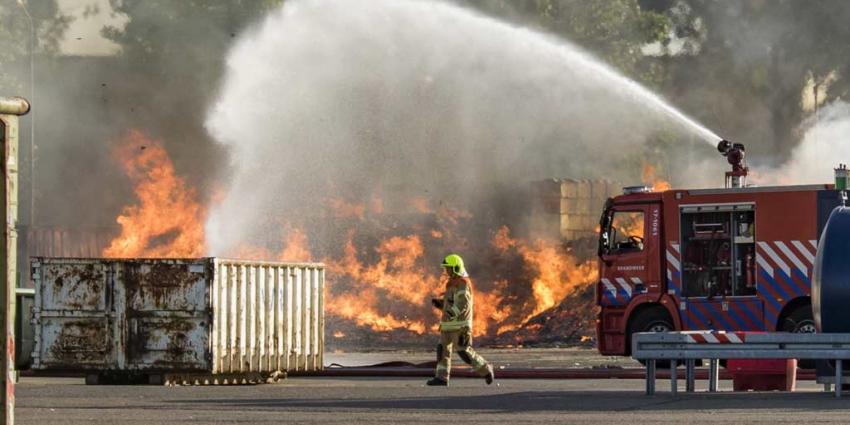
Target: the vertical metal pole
(689, 375)
(838, 375)
(8, 256)
(674, 370)
(7, 296)
(712, 376)
(321, 318)
(650, 377)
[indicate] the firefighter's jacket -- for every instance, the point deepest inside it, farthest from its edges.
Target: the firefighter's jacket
(457, 305)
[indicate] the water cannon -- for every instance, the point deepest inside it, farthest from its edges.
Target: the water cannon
(735, 154)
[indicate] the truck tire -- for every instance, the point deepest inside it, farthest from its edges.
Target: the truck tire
(654, 319)
(800, 321)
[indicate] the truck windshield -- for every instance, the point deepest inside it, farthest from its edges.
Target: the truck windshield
(621, 232)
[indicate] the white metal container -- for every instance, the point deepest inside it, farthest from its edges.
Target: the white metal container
(206, 315)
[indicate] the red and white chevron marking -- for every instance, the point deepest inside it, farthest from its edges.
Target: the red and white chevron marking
(716, 338)
(784, 255)
(621, 284)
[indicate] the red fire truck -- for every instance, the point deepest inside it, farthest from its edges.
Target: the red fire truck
(736, 259)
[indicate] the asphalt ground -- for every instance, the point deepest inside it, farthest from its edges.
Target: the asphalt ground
(408, 400)
(45, 400)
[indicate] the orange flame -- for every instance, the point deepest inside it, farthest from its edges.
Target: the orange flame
(557, 274)
(490, 311)
(649, 176)
(394, 280)
(168, 220)
(349, 306)
(343, 209)
(383, 287)
(296, 247)
(421, 205)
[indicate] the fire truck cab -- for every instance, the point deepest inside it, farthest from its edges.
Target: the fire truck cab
(738, 259)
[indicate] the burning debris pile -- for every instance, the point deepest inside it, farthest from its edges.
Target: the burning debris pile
(572, 321)
(383, 270)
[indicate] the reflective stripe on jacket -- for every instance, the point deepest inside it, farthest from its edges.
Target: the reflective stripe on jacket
(457, 305)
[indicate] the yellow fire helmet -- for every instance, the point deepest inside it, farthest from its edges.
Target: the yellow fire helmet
(456, 263)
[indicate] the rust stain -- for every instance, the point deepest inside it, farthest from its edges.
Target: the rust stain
(78, 288)
(160, 285)
(150, 333)
(158, 310)
(80, 342)
(155, 287)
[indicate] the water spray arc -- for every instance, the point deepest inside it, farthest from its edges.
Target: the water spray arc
(395, 92)
(421, 116)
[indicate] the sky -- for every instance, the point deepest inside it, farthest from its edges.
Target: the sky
(83, 36)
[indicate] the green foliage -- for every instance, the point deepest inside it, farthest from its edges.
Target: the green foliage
(13, 44)
(739, 66)
(49, 26)
(615, 30)
(179, 42)
(751, 61)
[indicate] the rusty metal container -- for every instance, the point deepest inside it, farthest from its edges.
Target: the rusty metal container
(207, 315)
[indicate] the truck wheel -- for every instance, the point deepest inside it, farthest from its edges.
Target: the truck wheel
(652, 320)
(800, 321)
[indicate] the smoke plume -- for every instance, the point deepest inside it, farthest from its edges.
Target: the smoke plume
(824, 145)
(393, 99)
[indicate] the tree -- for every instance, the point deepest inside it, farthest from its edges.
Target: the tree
(49, 26)
(752, 61)
(750, 70)
(614, 30)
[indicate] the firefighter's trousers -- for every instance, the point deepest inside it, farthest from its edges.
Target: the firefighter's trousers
(460, 341)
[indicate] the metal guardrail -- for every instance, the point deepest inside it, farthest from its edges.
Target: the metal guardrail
(690, 346)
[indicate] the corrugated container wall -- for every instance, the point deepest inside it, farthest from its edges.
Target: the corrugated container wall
(205, 315)
(53, 241)
(569, 208)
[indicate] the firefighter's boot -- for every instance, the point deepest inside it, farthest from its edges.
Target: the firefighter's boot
(437, 382)
(490, 376)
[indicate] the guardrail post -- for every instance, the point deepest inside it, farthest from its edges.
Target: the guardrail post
(712, 376)
(674, 371)
(650, 377)
(713, 346)
(838, 376)
(689, 375)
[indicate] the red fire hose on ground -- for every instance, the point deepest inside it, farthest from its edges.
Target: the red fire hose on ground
(401, 369)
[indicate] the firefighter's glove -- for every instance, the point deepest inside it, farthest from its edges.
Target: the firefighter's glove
(437, 303)
(452, 313)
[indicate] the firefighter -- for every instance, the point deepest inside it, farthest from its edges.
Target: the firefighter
(456, 325)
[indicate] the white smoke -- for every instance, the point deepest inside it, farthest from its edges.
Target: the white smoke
(825, 144)
(356, 98)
